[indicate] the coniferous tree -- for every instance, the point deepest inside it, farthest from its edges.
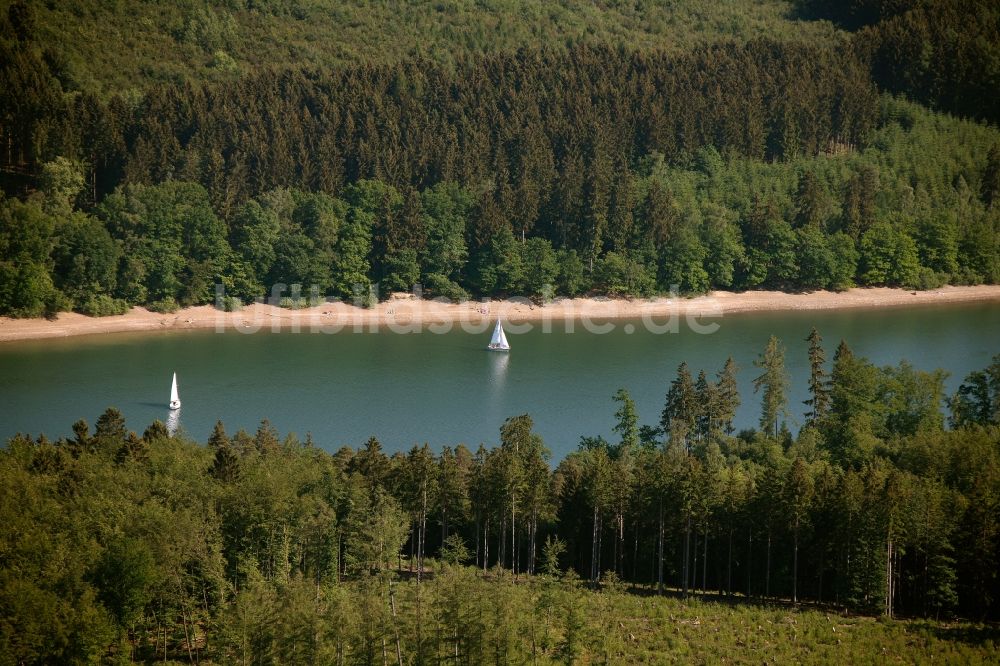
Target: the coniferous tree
(977, 400)
(708, 402)
(798, 491)
(991, 178)
(627, 421)
(811, 202)
(109, 431)
(680, 411)
(728, 395)
(155, 432)
(774, 381)
(226, 465)
(819, 391)
(454, 469)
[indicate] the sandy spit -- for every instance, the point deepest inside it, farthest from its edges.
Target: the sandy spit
(405, 313)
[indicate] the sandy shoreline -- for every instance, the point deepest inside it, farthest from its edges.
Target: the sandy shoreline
(406, 314)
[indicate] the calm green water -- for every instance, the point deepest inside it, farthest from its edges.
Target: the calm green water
(446, 389)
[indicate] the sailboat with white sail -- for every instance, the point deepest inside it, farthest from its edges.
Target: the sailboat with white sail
(499, 340)
(175, 400)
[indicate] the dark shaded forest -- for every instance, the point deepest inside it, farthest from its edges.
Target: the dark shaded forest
(940, 52)
(268, 548)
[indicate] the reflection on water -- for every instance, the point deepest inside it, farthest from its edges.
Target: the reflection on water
(173, 421)
(499, 367)
(495, 406)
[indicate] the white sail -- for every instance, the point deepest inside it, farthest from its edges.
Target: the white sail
(175, 400)
(499, 340)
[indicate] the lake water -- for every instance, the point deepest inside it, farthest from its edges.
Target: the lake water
(445, 388)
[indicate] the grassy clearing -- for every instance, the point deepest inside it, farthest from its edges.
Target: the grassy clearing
(560, 622)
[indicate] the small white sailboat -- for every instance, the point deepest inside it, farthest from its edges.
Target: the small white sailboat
(175, 401)
(499, 340)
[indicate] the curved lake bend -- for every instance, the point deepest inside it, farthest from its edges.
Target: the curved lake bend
(445, 388)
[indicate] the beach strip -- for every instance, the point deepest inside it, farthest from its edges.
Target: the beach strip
(405, 312)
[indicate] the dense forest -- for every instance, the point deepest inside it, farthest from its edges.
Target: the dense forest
(561, 167)
(269, 548)
(152, 150)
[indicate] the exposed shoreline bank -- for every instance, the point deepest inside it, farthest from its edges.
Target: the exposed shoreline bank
(406, 314)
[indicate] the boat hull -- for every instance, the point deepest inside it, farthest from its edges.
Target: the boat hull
(497, 348)
(175, 404)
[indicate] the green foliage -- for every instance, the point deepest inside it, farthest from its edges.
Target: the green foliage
(757, 183)
(541, 267)
(102, 305)
(446, 208)
(454, 551)
(553, 550)
(182, 42)
(501, 267)
(278, 550)
(977, 400)
(60, 183)
(26, 287)
(164, 306)
(85, 260)
(684, 264)
(124, 575)
(942, 53)
(774, 381)
(888, 256)
(436, 285)
(571, 278)
(171, 236)
(628, 420)
(622, 275)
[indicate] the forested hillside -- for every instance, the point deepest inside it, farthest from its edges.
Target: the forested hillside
(268, 548)
(942, 52)
(621, 163)
(122, 47)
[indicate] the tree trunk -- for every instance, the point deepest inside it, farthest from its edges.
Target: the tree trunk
(694, 563)
(502, 540)
(395, 627)
(888, 586)
(444, 525)
(635, 553)
(619, 540)
(486, 544)
(659, 562)
(600, 545)
(729, 565)
(478, 544)
(795, 566)
(750, 564)
(421, 535)
(533, 542)
(187, 638)
(687, 555)
(767, 573)
(513, 549)
(704, 567)
(822, 566)
(593, 552)
(413, 544)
